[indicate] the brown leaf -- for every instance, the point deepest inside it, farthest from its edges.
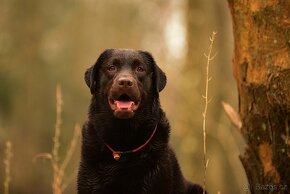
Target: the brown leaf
(233, 115)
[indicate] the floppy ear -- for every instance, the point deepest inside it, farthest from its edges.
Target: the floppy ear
(159, 77)
(92, 72)
(88, 76)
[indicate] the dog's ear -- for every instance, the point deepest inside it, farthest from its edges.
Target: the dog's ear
(159, 77)
(91, 74)
(88, 76)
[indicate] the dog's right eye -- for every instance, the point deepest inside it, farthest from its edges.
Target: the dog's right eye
(140, 69)
(112, 68)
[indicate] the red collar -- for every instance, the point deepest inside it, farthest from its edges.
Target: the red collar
(117, 154)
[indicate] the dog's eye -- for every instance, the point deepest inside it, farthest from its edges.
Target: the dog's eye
(111, 68)
(140, 69)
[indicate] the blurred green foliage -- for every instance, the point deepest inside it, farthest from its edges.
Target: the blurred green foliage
(45, 43)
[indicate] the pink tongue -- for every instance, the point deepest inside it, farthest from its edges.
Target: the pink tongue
(124, 104)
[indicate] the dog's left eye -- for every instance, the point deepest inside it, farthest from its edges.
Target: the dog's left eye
(140, 69)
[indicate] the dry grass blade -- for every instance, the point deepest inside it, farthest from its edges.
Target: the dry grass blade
(56, 184)
(56, 139)
(70, 151)
(47, 156)
(209, 58)
(59, 168)
(7, 164)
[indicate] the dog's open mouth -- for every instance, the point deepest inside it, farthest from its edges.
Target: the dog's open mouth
(124, 106)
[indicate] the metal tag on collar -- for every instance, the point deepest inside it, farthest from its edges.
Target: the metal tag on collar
(116, 156)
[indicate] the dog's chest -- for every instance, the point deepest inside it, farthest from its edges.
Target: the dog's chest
(126, 176)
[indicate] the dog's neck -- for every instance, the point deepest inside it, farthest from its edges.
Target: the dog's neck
(126, 134)
(118, 153)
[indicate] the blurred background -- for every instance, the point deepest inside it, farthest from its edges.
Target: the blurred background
(45, 43)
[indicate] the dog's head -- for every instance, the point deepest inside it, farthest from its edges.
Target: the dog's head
(125, 80)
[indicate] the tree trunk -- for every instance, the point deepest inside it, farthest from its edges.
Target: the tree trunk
(262, 70)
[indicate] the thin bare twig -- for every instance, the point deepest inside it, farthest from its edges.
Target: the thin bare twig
(7, 164)
(209, 58)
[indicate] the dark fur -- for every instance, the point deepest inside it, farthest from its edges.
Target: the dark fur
(152, 170)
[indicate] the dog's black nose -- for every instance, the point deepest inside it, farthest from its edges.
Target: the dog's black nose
(125, 82)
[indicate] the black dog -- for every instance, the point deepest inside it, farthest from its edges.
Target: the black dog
(125, 140)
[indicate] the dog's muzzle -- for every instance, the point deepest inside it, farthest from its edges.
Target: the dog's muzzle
(124, 96)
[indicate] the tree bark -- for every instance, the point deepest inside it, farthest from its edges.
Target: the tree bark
(262, 70)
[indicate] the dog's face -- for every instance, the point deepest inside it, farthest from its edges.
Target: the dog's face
(122, 79)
